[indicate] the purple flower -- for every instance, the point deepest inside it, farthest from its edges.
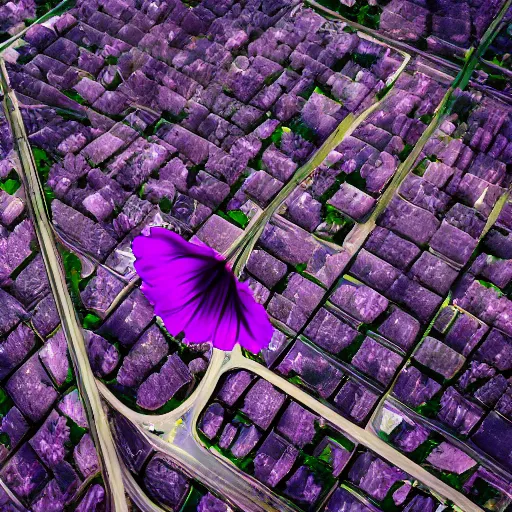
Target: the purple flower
(194, 291)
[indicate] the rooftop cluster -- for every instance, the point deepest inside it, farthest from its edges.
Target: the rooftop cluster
(386, 272)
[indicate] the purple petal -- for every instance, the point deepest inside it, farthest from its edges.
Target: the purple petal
(195, 292)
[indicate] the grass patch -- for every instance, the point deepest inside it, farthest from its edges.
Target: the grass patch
(10, 186)
(360, 12)
(73, 95)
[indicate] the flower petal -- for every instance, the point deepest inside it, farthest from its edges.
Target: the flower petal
(194, 292)
(257, 331)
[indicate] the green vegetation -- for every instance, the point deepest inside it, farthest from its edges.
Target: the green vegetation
(10, 185)
(299, 127)
(43, 163)
(91, 322)
(424, 450)
(236, 217)
(75, 432)
(485, 494)
(366, 60)
(73, 95)
(239, 217)
(73, 269)
(49, 194)
(300, 267)
(431, 408)
(334, 216)
(111, 60)
(165, 205)
(361, 12)
(405, 152)
(5, 403)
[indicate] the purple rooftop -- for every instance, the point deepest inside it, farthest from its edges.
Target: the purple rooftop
(255, 254)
